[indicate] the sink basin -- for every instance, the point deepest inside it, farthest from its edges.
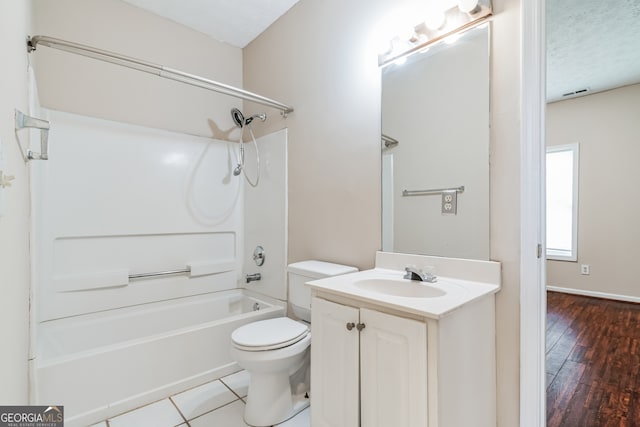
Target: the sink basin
(399, 288)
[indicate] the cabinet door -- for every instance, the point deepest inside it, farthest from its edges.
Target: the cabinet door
(393, 371)
(334, 365)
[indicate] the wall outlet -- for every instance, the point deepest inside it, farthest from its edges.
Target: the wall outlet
(585, 269)
(449, 202)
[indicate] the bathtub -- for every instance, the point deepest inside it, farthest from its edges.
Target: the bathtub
(103, 364)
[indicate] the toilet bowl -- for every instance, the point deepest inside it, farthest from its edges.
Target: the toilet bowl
(271, 363)
(276, 352)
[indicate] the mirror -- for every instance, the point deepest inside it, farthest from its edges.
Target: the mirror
(435, 125)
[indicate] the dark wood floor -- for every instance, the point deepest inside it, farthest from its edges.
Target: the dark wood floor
(593, 362)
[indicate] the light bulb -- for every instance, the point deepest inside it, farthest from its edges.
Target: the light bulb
(435, 18)
(406, 33)
(467, 6)
(420, 38)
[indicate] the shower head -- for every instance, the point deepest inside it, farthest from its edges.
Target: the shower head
(238, 117)
(239, 120)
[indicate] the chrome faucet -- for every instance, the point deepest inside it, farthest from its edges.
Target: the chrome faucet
(413, 273)
(253, 277)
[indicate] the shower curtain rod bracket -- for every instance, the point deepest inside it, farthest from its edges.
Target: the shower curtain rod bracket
(30, 46)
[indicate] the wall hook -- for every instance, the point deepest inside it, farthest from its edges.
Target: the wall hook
(23, 121)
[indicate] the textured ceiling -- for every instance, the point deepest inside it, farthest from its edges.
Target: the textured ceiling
(235, 22)
(592, 44)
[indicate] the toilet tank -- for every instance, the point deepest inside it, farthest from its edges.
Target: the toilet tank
(305, 271)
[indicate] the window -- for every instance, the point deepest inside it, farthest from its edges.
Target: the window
(562, 202)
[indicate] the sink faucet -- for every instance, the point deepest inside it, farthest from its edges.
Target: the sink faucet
(413, 273)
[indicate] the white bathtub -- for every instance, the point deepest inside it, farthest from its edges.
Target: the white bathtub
(103, 364)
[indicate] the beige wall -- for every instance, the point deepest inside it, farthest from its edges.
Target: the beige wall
(319, 58)
(15, 23)
(607, 128)
(85, 86)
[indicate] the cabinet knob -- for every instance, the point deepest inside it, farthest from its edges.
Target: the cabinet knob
(350, 326)
(360, 326)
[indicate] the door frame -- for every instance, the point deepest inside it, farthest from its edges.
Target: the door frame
(532, 214)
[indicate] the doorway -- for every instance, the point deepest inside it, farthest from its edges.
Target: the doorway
(593, 95)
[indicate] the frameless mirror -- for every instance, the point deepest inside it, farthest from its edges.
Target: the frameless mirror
(435, 150)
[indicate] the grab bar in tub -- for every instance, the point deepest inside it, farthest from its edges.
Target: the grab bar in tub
(119, 278)
(194, 269)
(159, 273)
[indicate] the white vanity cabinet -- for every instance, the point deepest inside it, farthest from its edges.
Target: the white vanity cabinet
(373, 366)
(367, 368)
(391, 352)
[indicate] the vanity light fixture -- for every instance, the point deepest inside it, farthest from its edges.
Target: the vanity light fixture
(438, 25)
(435, 18)
(468, 6)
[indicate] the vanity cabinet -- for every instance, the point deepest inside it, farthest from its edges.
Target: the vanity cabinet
(374, 366)
(368, 368)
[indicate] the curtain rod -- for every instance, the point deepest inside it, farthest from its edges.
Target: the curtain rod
(151, 68)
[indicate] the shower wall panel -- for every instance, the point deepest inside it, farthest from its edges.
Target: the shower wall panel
(117, 199)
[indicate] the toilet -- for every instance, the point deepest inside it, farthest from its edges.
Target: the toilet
(276, 352)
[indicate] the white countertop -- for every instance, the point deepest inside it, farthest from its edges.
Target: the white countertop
(457, 292)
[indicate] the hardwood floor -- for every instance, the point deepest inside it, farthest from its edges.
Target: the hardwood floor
(593, 362)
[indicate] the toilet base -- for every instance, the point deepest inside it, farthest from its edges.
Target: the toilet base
(259, 414)
(278, 381)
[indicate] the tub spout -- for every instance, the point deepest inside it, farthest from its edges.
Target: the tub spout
(253, 277)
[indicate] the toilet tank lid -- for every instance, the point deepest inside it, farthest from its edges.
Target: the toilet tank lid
(319, 269)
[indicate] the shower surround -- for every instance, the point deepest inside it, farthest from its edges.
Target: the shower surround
(116, 201)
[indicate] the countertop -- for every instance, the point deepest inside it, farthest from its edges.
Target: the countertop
(457, 292)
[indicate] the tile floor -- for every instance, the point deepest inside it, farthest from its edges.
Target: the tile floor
(218, 403)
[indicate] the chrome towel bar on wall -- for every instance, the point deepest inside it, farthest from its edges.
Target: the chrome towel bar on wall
(437, 191)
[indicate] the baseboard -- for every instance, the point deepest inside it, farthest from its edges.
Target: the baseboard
(595, 294)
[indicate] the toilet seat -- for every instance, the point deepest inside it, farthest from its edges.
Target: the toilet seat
(270, 334)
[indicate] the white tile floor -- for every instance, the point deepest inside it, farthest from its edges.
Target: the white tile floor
(218, 403)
